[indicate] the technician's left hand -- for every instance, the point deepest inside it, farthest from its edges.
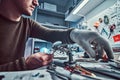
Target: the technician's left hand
(86, 38)
(38, 60)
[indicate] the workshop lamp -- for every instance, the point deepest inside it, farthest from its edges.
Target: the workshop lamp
(80, 6)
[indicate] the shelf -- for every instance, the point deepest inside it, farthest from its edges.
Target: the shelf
(38, 40)
(54, 26)
(89, 10)
(51, 13)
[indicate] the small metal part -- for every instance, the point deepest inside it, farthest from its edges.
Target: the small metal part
(1, 77)
(41, 76)
(35, 75)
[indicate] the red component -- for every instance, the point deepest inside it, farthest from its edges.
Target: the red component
(116, 38)
(71, 69)
(96, 24)
(105, 58)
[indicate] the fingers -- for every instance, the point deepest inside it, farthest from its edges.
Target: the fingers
(33, 63)
(38, 60)
(103, 43)
(47, 62)
(87, 46)
(99, 50)
(45, 57)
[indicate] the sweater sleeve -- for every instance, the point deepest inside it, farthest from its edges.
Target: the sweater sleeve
(50, 34)
(17, 65)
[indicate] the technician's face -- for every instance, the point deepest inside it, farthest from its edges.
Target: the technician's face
(26, 6)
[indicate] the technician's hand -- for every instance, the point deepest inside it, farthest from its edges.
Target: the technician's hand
(38, 60)
(87, 38)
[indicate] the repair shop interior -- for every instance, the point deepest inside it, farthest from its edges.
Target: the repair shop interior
(71, 61)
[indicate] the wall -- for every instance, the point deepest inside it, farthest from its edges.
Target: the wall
(42, 18)
(110, 11)
(106, 4)
(61, 9)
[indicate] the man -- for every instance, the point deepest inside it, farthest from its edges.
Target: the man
(15, 30)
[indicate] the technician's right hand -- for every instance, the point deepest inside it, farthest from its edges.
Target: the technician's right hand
(38, 60)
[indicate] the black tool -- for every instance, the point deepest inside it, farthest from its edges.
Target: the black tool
(1, 77)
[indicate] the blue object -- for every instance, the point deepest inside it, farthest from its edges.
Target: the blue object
(44, 50)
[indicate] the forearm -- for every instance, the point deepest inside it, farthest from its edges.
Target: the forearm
(17, 65)
(61, 35)
(51, 35)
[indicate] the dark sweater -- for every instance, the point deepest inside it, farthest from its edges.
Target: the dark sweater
(13, 36)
